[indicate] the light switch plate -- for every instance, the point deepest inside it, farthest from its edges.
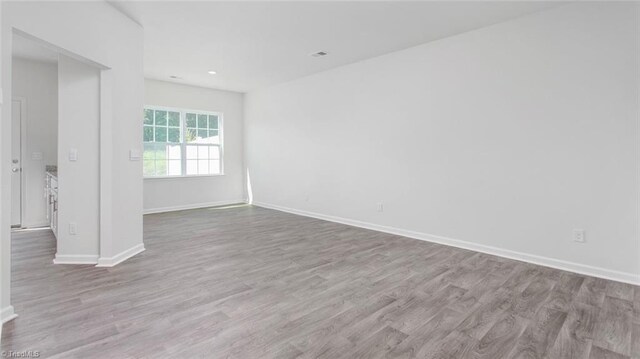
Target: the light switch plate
(134, 154)
(73, 154)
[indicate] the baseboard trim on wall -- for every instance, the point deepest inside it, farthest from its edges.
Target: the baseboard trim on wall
(524, 257)
(193, 206)
(36, 225)
(75, 259)
(7, 313)
(120, 257)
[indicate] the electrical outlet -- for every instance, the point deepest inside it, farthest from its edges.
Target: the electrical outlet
(579, 235)
(72, 228)
(380, 207)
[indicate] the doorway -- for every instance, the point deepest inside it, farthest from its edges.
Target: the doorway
(34, 130)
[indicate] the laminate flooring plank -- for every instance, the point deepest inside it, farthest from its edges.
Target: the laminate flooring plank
(592, 291)
(613, 330)
(620, 290)
(635, 341)
(501, 337)
(600, 353)
(334, 347)
(576, 335)
(636, 306)
(317, 339)
(564, 291)
(527, 302)
(379, 344)
(426, 338)
(539, 335)
(453, 346)
(482, 316)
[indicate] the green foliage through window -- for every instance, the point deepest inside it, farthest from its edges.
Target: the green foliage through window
(181, 143)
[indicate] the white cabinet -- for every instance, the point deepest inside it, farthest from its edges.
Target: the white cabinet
(47, 196)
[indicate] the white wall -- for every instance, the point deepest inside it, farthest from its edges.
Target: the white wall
(502, 139)
(96, 33)
(37, 83)
(162, 194)
(78, 181)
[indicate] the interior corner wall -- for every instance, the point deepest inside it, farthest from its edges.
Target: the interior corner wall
(96, 33)
(78, 181)
(165, 194)
(5, 192)
(37, 83)
(504, 139)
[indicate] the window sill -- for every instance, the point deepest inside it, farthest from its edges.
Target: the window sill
(180, 177)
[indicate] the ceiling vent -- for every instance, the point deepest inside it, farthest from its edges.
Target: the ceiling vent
(319, 54)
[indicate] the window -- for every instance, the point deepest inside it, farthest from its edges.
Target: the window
(181, 142)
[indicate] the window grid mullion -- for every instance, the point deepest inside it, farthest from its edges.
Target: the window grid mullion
(183, 146)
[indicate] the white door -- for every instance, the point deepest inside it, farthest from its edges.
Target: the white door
(16, 163)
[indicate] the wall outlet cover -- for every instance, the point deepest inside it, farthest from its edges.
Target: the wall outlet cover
(579, 235)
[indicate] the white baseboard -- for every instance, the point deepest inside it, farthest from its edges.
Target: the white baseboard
(7, 314)
(120, 257)
(192, 206)
(75, 259)
(35, 225)
(535, 259)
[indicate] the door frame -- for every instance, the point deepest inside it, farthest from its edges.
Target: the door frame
(23, 151)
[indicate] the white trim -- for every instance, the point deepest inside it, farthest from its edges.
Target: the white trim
(55, 48)
(193, 206)
(7, 314)
(75, 259)
(535, 259)
(105, 203)
(35, 225)
(637, 154)
(180, 177)
(23, 153)
(120, 257)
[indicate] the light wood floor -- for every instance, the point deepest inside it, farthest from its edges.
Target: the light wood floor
(249, 282)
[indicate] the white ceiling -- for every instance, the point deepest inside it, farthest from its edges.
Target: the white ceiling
(29, 49)
(255, 44)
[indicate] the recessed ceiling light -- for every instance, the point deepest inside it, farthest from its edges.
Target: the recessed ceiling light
(211, 72)
(319, 54)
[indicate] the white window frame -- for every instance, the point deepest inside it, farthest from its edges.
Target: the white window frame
(183, 144)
